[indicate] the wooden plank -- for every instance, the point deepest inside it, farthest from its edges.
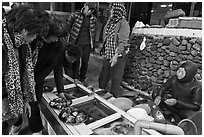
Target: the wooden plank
(85, 88)
(65, 87)
(79, 85)
(82, 99)
(46, 125)
(104, 121)
(68, 78)
(83, 129)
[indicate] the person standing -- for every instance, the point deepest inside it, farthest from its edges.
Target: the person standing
(81, 27)
(19, 27)
(115, 42)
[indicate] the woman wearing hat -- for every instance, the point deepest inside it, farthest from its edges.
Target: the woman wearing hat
(81, 27)
(185, 95)
(115, 41)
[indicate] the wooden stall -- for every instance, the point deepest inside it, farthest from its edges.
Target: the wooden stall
(111, 113)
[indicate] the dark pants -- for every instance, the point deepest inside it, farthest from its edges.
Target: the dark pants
(80, 72)
(114, 73)
(35, 122)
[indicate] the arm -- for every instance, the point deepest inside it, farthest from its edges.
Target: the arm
(157, 95)
(70, 21)
(196, 101)
(93, 27)
(123, 36)
(166, 86)
(58, 76)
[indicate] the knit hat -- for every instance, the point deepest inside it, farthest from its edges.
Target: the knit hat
(119, 10)
(191, 70)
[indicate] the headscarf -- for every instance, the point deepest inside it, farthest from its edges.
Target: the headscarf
(118, 13)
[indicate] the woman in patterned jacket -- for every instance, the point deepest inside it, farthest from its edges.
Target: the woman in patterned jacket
(19, 27)
(115, 41)
(81, 27)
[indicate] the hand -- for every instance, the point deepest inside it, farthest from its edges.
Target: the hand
(61, 95)
(157, 100)
(27, 109)
(114, 60)
(170, 102)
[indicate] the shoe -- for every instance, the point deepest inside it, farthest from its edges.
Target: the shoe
(103, 93)
(38, 133)
(15, 130)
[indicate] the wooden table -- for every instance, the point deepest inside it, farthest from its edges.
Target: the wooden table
(55, 126)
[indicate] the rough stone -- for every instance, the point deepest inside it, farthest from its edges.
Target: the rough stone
(197, 46)
(159, 72)
(182, 47)
(184, 42)
(189, 46)
(166, 63)
(172, 54)
(194, 52)
(175, 41)
(161, 58)
(166, 41)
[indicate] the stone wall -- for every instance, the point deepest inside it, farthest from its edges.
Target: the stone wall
(148, 69)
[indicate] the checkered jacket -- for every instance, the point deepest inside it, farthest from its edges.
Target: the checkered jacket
(121, 37)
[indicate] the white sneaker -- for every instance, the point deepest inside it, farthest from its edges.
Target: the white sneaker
(15, 130)
(37, 133)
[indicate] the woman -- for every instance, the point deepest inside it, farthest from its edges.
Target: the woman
(116, 36)
(20, 26)
(51, 57)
